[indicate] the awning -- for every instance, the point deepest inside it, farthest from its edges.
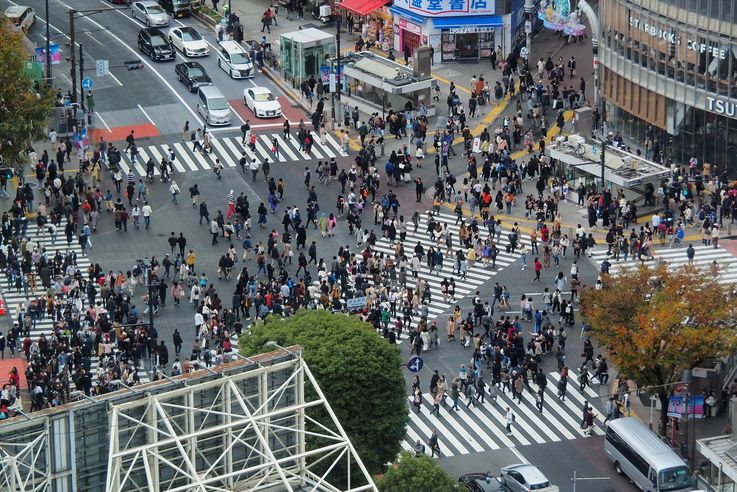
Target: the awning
(362, 7)
(472, 22)
(406, 14)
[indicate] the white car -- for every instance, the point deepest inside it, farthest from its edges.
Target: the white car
(21, 17)
(187, 40)
(523, 478)
(233, 59)
(150, 13)
(262, 102)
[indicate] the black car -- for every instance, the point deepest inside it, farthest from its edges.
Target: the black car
(192, 75)
(155, 44)
(481, 482)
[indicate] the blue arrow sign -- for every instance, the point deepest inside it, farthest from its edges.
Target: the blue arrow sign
(87, 83)
(415, 364)
(594, 149)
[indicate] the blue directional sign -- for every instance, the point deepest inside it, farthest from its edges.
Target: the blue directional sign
(594, 149)
(87, 83)
(415, 364)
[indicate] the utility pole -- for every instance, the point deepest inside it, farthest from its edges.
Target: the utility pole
(339, 110)
(81, 75)
(603, 143)
(529, 12)
(48, 46)
(72, 12)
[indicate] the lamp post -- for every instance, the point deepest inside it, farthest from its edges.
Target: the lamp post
(48, 46)
(338, 111)
(529, 12)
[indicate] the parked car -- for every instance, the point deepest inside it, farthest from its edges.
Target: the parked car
(481, 482)
(150, 13)
(192, 75)
(187, 40)
(262, 102)
(153, 42)
(21, 17)
(524, 478)
(233, 59)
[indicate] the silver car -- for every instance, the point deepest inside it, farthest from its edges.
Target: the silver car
(150, 13)
(524, 478)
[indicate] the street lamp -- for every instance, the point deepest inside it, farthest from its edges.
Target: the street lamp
(48, 46)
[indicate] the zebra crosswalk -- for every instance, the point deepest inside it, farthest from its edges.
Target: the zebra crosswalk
(476, 275)
(482, 427)
(229, 150)
(704, 259)
(15, 299)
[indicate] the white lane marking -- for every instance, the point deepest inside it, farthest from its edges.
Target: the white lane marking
(89, 34)
(232, 110)
(103, 122)
(269, 145)
(115, 78)
(146, 115)
(183, 154)
(145, 62)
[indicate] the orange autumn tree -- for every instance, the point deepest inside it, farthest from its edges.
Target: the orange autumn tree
(655, 324)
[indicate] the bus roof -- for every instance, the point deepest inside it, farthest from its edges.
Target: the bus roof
(646, 443)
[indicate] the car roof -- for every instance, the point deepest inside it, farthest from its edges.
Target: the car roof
(192, 64)
(186, 29)
(148, 3)
(531, 473)
(211, 91)
(14, 10)
(260, 90)
(154, 31)
(231, 46)
(480, 480)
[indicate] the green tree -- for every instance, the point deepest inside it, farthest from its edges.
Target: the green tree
(358, 371)
(416, 474)
(25, 107)
(656, 324)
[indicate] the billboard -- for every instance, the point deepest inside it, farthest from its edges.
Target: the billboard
(447, 8)
(55, 52)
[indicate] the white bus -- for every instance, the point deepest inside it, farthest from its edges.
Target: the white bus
(649, 462)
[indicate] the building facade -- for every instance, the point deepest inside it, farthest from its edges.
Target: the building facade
(668, 76)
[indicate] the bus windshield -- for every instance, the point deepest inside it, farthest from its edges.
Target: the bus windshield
(678, 478)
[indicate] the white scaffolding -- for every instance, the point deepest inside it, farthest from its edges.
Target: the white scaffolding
(267, 427)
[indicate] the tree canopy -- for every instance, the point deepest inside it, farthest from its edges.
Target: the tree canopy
(24, 106)
(358, 371)
(655, 324)
(416, 474)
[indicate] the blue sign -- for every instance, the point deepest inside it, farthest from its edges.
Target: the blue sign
(415, 364)
(87, 83)
(357, 302)
(594, 149)
(447, 8)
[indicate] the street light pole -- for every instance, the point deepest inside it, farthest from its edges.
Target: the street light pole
(72, 37)
(81, 76)
(529, 12)
(338, 112)
(48, 46)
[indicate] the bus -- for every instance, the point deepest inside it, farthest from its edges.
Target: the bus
(643, 457)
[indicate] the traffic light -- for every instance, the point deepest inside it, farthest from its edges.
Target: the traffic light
(6, 172)
(134, 65)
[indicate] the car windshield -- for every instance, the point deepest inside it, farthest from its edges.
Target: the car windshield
(677, 478)
(154, 9)
(180, 3)
(158, 41)
(217, 104)
(238, 58)
(190, 35)
(196, 72)
(263, 97)
(539, 486)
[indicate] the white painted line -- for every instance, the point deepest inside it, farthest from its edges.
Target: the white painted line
(142, 153)
(267, 142)
(201, 160)
(94, 38)
(224, 156)
(103, 122)
(146, 115)
(284, 147)
(234, 145)
(124, 166)
(115, 79)
(263, 152)
(324, 148)
(183, 154)
(337, 145)
(243, 122)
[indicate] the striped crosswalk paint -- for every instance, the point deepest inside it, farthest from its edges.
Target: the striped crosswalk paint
(475, 277)
(704, 257)
(482, 427)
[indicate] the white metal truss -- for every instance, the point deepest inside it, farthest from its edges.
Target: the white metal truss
(283, 435)
(24, 466)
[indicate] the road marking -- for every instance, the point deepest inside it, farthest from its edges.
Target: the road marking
(145, 62)
(103, 122)
(233, 148)
(146, 115)
(94, 39)
(238, 115)
(184, 155)
(115, 78)
(269, 146)
(284, 147)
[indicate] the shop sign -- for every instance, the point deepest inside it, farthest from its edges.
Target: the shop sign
(721, 106)
(672, 38)
(409, 26)
(469, 30)
(443, 8)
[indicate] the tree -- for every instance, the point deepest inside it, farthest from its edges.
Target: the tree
(25, 107)
(656, 324)
(416, 474)
(358, 371)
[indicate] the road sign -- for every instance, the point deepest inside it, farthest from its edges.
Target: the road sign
(594, 149)
(87, 83)
(102, 67)
(528, 27)
(332, 83)
(415, 364)
(356, 302)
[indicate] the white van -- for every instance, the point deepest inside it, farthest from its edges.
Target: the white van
(649, 462)
(234, 60)
(213, 106)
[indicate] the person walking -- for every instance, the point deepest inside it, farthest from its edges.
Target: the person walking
(177, 339)
(540, 399)
(174, 190)
(434, 443)
(146, 211)
(510, 420)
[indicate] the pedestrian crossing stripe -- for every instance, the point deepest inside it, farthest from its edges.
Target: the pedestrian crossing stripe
(229, 150)
(482, 427)
(476, 275)
(674, 258)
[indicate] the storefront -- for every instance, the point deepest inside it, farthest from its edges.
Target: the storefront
(374, 19)
(456, 30)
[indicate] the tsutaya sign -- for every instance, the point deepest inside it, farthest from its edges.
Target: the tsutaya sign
(672, 38)
(721, 106)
